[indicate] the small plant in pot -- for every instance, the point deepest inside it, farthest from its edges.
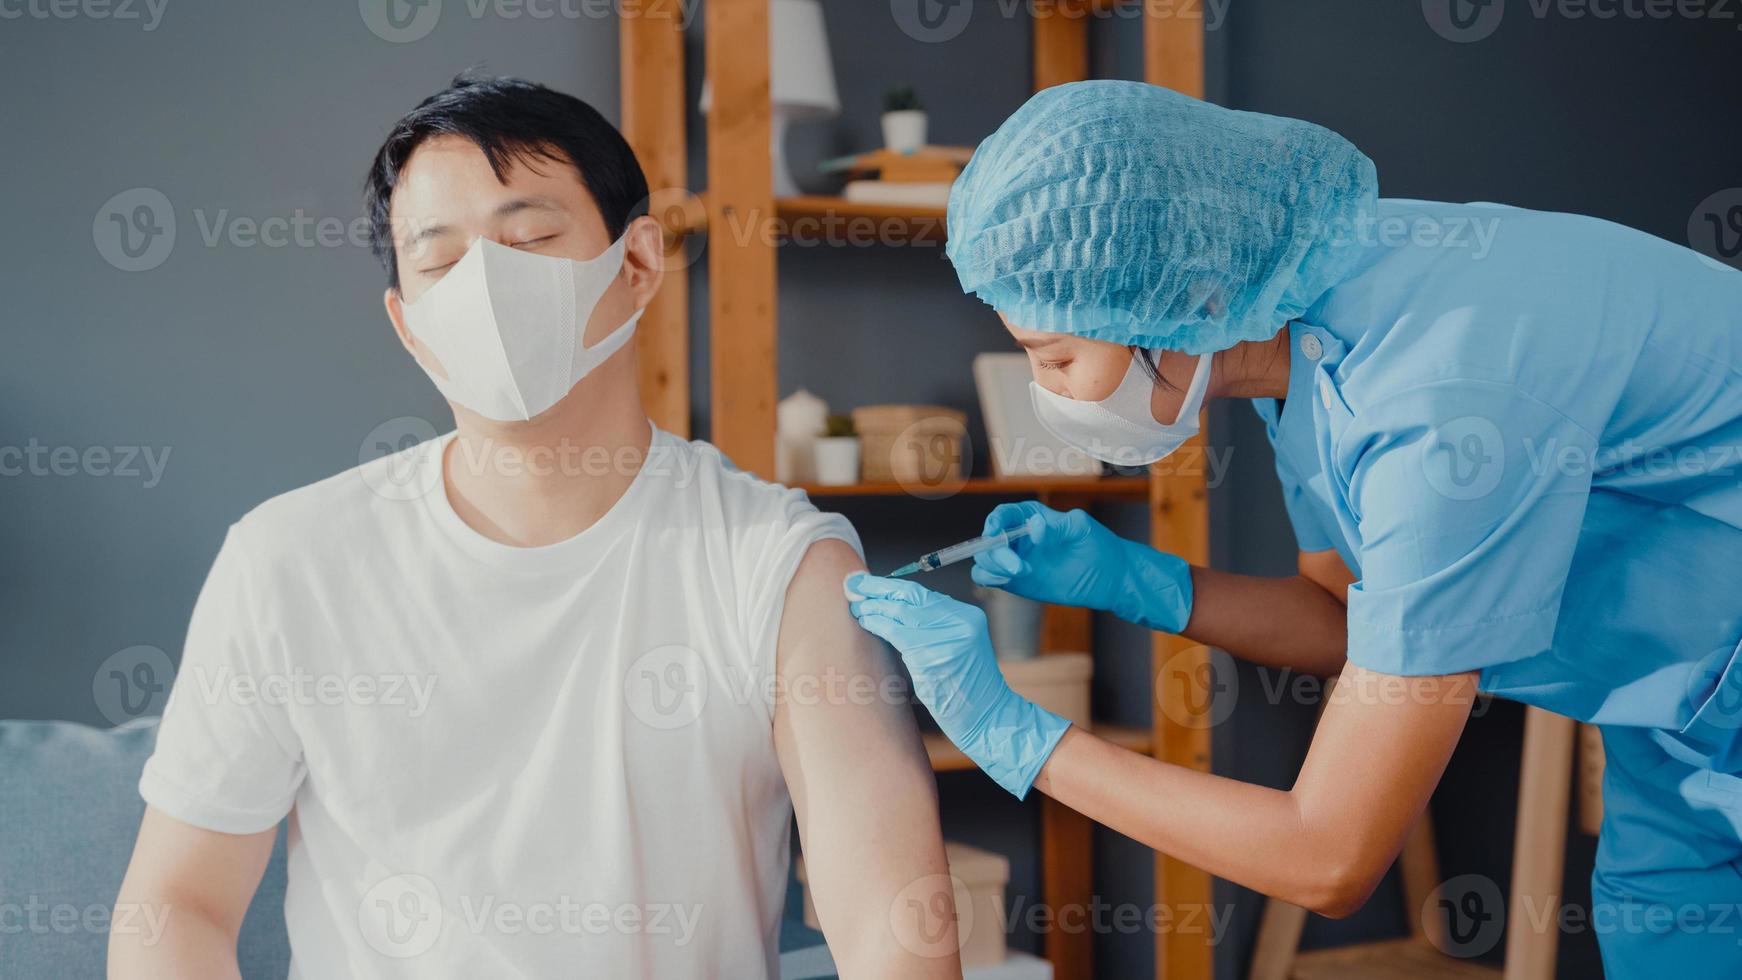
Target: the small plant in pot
(904, 120)
(837, 452)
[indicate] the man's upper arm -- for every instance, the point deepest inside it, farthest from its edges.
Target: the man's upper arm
(861, 785)
(186, 893)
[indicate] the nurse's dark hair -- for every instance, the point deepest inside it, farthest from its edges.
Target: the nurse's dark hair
(512, 121)
(1146, 359)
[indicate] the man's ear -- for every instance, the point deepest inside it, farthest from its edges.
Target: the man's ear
(396, 314)
(644, 258)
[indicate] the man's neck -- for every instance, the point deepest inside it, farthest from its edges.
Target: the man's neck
(536, 483)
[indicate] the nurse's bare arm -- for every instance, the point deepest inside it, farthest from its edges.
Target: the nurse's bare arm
(1298, 621)
(1381, 747)
(861, 785)
(185, 894)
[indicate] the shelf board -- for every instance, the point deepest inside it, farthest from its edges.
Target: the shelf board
(945, 757)
(851, 222)
(911, 222)
(1106, 487)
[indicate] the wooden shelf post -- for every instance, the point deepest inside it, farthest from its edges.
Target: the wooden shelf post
(741, 266)
(652, 78)
(1173, 56)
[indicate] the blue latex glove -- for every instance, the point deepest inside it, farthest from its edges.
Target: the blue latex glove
(1073, 560)
(955, 673)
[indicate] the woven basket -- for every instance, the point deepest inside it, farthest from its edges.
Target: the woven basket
(914, 445)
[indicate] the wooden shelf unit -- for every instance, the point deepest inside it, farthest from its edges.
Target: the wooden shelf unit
(743, 315)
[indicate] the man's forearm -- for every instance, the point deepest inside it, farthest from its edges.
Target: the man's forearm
(1289, 622)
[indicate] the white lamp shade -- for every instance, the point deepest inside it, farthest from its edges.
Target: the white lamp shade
(801, 74)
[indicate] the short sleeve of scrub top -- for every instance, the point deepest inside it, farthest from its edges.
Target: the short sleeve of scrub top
(1467, 497)
(1309, 534)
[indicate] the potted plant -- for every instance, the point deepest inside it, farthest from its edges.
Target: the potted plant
(837, 452)
(903, 120)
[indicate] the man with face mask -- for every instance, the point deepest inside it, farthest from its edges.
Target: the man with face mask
(631, 662)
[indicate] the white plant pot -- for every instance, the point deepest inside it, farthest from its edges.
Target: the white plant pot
(837, 460)
(904, 130)
(1013, 621)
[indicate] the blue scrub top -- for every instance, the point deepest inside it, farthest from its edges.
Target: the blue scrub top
(1523, 433)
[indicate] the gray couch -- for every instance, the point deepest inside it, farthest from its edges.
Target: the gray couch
(69, 810)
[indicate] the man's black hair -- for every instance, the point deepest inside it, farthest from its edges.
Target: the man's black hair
(511, 120)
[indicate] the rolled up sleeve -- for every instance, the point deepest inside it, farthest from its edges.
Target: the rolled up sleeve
(1468, 497)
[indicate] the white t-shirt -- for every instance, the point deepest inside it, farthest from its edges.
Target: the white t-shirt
(500, 761)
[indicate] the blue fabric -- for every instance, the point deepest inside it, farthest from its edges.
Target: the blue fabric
(1128, 212)
(1666, 896)
(70, 812)
(1297, 452)
(1525, 431)
(1071, 559)
(1528, 437)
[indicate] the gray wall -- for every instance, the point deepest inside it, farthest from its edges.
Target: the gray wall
(258, 368)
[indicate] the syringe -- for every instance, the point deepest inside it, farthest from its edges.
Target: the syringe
(932, 561)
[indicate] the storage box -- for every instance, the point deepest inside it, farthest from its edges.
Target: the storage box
(915, 445)
(980, 877)
(1058, 682)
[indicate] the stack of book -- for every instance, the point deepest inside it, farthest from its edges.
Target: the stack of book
(921, 178)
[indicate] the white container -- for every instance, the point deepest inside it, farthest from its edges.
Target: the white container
(904, 130)
(799, 420)
(980, 877)
(1013, 621)
(1058, 682)
(837, 460)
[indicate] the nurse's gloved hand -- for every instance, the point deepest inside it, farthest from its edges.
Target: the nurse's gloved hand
(949, 653)
(1071, 559)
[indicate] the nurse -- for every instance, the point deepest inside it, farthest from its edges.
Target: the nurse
(1510, 444)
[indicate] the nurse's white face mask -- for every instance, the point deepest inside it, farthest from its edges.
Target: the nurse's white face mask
(508, 327)
(1120, 429)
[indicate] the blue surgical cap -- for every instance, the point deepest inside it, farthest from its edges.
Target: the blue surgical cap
(1127, 212)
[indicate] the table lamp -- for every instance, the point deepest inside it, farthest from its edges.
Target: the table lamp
(801, 79)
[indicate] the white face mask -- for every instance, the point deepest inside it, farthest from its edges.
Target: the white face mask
(1120, 429)
(507, 326)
